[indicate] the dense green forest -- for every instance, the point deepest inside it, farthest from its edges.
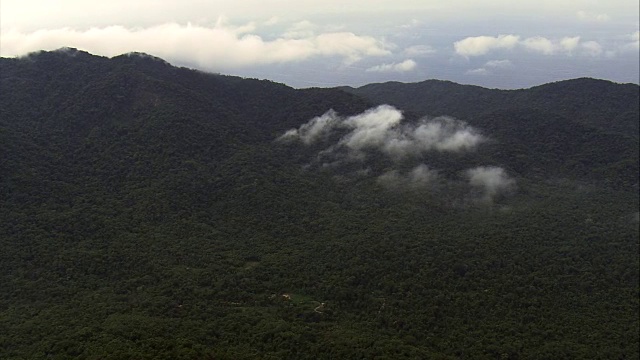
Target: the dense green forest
(155, 212)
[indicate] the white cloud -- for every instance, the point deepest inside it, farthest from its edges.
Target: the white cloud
(211, 48)
(351, 46)
(411, 24)
(404, 66)
(491, 64)
(420, 176)
(301, 29)
(446, 134)
(491, 180)
(478, 71)
(314, 129)
(539, 44)
(592, 48)
(276, 36)
(591, 17)
(634, 44)
(499, 64)
(631, 46)
(419, 50)
(272, 21)
(371, 128)
(568, 44)
(380, 129)
(564, 45)
(480, 45)
(549, 47)
(443, 134)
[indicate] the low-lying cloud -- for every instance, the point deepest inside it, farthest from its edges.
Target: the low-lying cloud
(380, 129)
(315, 128)
(490, 180)
(419, 177)
(441, 134)
(372, 129)
(349, 143)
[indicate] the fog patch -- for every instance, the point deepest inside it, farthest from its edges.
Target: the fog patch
(314, 130)
(440, 134)
(371, 129)
(420, 176)
(491, 181)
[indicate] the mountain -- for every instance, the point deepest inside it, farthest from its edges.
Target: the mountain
(150, 211)
(600, 104)
(581, 128)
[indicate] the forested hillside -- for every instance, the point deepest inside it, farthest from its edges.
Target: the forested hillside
(581, 128)
(149, 211)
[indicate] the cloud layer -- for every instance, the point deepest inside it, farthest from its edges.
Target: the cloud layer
(334, 43)
(490, 180)
(218, 47)
(314, 50)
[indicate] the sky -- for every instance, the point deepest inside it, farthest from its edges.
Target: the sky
(492, 43)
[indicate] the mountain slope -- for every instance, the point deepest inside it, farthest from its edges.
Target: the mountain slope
(148, 211)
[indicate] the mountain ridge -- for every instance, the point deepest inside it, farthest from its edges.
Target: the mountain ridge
(431, 103)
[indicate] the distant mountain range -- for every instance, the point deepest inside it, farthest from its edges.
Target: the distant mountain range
(151, 211)
(600, 104)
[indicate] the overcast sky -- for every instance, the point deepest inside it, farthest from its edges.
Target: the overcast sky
(492, 43)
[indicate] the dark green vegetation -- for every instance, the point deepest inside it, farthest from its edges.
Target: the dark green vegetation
(147, 212)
